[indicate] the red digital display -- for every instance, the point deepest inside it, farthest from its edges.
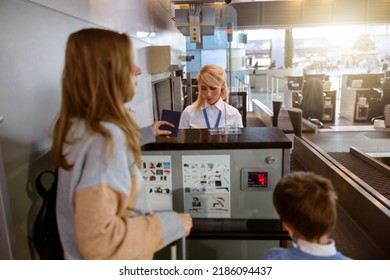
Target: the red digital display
(261, 178)
(257, 179)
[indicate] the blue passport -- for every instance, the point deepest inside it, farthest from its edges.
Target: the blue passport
(174, 118)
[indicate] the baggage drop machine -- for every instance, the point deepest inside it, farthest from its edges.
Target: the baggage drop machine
(226, 183)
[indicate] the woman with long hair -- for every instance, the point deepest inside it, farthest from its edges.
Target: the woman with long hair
(101, 202)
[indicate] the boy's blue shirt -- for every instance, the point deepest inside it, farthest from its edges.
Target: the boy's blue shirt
(304, 250)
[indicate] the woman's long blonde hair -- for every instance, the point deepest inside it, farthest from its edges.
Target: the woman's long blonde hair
(215, 76)
(96, 82)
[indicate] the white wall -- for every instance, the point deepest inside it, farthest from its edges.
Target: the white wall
(34, 35)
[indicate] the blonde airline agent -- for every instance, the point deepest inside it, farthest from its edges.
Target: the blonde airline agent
(210, 109)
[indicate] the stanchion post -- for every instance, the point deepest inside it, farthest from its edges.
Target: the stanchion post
(296, 120)
(276, 105)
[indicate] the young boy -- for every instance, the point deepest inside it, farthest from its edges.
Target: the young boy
(306, 203)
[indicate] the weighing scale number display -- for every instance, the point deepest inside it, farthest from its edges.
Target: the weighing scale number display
(257, 179)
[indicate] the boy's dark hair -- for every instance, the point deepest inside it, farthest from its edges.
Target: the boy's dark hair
(307, 202)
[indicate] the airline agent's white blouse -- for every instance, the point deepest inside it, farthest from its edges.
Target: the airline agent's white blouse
(220, 114)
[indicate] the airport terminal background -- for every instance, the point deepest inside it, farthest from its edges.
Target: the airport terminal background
(255, 63)
(338, 66)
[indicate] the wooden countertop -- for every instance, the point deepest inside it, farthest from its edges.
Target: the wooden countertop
(201, 139)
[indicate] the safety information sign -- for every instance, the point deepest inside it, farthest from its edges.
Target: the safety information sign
(206, 183)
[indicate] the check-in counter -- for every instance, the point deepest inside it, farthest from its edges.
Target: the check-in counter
(360, 96)
(295, 85)
(226, 183)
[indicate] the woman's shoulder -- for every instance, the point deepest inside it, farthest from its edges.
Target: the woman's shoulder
(116, 132)
(112, 127)
(232, 109)
(79, 126)
(190, 109)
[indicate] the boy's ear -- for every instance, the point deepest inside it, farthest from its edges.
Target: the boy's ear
(289, 228)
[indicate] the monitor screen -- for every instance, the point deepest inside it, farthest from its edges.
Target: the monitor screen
(369, 80)
(295, 83)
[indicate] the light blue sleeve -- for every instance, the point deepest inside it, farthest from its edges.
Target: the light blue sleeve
(172, 226)
(147, 135)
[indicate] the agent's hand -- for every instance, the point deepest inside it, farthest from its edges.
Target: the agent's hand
(158, 132)
(187, 221)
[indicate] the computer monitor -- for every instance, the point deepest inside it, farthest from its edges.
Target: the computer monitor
(367, 80)
(295, 83)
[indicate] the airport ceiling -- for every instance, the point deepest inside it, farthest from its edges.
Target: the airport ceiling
(293, 13)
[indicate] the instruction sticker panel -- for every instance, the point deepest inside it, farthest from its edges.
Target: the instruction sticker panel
(157, 176)
(206, 183)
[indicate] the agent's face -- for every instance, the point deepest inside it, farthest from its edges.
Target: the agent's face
(210, 94)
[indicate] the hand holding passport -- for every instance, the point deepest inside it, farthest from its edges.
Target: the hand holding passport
(174, 118)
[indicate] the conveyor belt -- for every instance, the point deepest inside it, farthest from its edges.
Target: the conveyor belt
(363, 226)
(254, 122)
(295, 165)
(369, 174)
(345, 232)
(265, 115)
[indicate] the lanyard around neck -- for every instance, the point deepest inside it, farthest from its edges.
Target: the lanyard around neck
(206, 118)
